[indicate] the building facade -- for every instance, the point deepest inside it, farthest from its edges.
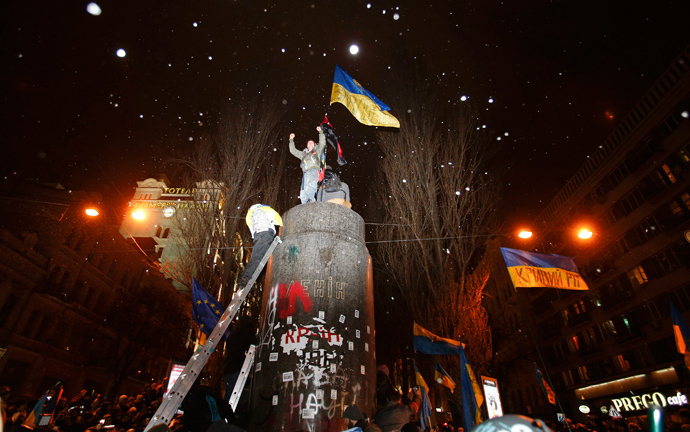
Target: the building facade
(613, 345)
(79, 305)
(173, 224)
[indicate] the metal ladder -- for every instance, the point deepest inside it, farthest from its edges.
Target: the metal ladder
(242, 378)
(172, 401)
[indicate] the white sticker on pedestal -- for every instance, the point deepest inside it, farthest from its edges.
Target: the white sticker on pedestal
(274, 401)
(319, 393)
(288, 376)
(363, 369)
(351, 346)
(333, 367)
(368, 330)
(334, 394)
(322, 314)
(308, 413)
(258, 367)
(356, 313)
(315, 344)
(357, 334)
(289, 320)
(342, 318)
(273, 357)
(366, 347)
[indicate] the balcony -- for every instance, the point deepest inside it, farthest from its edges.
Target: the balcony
(580, 318)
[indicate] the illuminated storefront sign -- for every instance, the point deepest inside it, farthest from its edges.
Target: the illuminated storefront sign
(179, 191)
(636, 403)
(176, 204)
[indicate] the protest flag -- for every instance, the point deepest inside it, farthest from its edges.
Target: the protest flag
(363, 105)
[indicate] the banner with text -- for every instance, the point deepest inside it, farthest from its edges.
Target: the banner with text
(534, 270)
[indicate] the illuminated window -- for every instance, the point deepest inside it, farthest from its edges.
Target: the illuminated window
(621, 364)
(579, 307)
(608, 329)
(573, 344)
(627, 324)
(684, 155)
(668, 173)
(639, 275)
(594, 299)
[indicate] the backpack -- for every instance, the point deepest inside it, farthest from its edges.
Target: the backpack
(331, 182)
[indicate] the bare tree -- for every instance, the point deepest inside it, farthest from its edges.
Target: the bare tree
(439, 204)
(237, 166)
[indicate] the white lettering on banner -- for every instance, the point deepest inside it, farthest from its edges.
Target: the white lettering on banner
(637, 403)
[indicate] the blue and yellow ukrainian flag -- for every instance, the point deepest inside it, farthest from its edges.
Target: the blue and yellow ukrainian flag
(478, 395)
(529, 270)
(443, 378)
(34, 416)
(428, 343)
(366, 107)
(425, 410)
(681, 332)
(470, 414)
(545, 387)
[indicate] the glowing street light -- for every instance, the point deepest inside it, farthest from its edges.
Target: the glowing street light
(584, 234)
(525, 234)
(91, 212)
(138, 214)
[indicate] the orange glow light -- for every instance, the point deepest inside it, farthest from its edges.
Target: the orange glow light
(138, 215)
(91, 212)
(585, 234)
(525, 234)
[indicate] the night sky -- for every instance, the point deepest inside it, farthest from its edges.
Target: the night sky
(551, 79)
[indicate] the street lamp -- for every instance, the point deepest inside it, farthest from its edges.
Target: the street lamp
(91, 212)
(584, 234)
(525, 234)
(138, 214)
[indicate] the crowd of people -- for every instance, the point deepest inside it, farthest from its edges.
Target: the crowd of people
(85, 411)
(88, 411)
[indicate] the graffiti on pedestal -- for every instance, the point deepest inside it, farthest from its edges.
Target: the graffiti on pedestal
(318, 383)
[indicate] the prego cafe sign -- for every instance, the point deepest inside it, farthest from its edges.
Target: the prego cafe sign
(636, 403)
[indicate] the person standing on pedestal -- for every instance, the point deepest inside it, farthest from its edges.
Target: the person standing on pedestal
(310, 159)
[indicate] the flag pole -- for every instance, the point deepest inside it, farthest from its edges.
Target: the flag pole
(541, 359)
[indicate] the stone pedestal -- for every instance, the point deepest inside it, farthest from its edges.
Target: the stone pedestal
(317, 352)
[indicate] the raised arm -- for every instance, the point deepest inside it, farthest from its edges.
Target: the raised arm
(293, 150)
(322, 141)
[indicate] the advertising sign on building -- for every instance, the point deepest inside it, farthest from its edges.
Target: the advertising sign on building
(492, 397)
(174, 373)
